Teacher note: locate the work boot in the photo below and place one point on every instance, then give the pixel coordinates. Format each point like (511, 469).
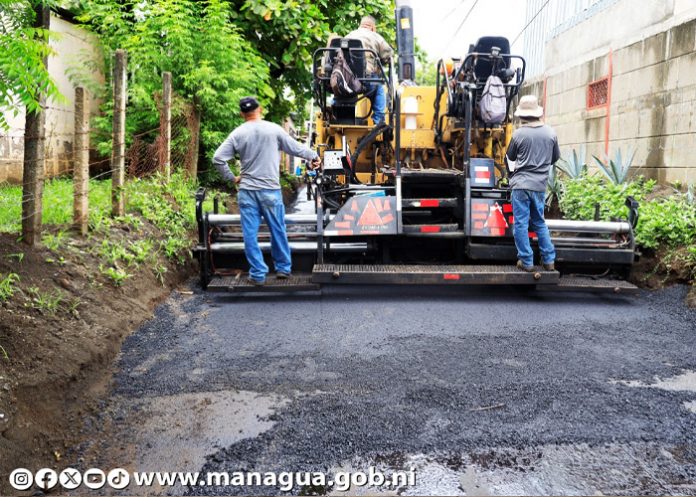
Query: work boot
(549, 267)
(522, 267)
(254, 282)
(280, 275)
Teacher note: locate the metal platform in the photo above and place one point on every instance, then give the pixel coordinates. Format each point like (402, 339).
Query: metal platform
(239, 284)
(593, 285)
(430, 275)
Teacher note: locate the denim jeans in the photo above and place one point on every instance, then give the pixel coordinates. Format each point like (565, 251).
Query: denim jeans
(528, 209)
(378, 97)
(253, 205)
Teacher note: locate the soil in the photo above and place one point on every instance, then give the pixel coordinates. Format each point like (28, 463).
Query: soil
(58, 363)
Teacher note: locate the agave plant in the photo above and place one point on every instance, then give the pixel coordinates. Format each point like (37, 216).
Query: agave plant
(574, 165)
(616, 170)
(555, 187)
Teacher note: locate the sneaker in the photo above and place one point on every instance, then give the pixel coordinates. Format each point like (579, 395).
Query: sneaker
(522, 267)
(280, 275)
(254, 282)
(549, 267)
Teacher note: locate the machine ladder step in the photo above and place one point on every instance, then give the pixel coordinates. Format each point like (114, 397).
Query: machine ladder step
(239, 284)
(395, 274)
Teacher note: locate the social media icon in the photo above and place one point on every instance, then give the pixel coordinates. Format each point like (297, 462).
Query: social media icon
(70, 478)
(46, 478)
(21, 479)
(118, 478)
(94, 478)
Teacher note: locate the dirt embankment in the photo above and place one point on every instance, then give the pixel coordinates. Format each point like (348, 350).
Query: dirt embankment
(60, 333)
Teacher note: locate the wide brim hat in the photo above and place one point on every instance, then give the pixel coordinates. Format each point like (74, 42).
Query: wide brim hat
(529, 107)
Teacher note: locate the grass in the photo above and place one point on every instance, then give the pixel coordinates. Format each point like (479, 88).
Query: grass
(167, 205)
(45, 301)
(8, 286)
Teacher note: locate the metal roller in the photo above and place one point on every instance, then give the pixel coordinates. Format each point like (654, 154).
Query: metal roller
(620, 227)
(234, 219)
(297, 247)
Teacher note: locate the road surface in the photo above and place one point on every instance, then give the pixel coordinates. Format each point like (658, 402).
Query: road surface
(482, 391)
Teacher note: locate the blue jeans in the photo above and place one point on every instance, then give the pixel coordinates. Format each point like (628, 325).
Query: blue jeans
(378, 97)
(254, 204)
(528, 209)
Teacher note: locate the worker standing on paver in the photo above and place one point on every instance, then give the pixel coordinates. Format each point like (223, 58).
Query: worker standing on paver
(532, 152)
(371, 39)
(258, 144)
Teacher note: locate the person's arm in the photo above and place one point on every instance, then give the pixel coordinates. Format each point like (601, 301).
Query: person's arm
(291, 146)
(223, 154)
(385, 51)
(511, 156)
(556, 154)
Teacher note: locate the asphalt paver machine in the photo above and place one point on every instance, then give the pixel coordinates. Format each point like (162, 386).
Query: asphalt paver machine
(421, 199)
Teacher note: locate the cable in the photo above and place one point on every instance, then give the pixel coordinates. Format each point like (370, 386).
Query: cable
(529, 23)
(461, 25)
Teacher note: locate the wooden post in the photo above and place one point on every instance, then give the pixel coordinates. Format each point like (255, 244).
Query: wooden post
(166, 125)
(81, 162)
(118, 149)
(194, 125)
(34, 151)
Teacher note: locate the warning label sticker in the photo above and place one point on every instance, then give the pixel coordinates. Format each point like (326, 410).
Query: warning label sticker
(365, 216)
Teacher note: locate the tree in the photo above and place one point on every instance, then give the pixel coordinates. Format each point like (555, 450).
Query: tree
(23, 76)
(212, 65)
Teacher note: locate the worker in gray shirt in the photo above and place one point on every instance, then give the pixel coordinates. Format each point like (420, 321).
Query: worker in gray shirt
(532, 152)
(258, 144)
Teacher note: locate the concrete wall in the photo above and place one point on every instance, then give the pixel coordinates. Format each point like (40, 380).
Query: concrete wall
(76, 58)
(652, 55)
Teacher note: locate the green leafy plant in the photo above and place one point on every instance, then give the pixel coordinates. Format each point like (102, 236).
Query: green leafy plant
(22, 50)
(554, 188)
(54, 243)
(160, 272)
(574, 164)
(616, 170)
(19, 257)
(45, 301)
(8, 286)
(117, 275)
(670, 221)
(4, 353)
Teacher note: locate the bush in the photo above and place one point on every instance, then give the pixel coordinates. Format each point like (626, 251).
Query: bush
(670, 220)
(581, 194)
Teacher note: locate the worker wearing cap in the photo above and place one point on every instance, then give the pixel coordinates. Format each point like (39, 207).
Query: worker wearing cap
(258, 144)
(532, 152)
(371, 39)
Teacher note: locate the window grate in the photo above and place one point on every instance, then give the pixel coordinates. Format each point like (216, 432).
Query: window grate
(598, 93)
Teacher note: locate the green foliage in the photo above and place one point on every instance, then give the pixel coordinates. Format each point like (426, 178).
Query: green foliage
(22, 49)
(160, 272)
(670, 220)
(8, 286)
(575, 164)
(19, 257)
(48, 302)
(667, 221)
(616, 170)
(580, 196)
(554, 188)
(54, 243)
(212, 65)
(117, 275)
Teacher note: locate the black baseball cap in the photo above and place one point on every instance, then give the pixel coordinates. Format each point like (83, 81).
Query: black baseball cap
(247, 104)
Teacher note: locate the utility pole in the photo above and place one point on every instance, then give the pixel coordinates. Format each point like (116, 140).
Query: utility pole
(166, 125)
(34, 150)
(81, 162)
(118, 146)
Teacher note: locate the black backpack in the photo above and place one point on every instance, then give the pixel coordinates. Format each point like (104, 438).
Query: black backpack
(344, 83)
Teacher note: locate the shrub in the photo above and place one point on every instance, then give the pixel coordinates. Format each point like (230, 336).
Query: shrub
(670, 220)
(581, 194)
